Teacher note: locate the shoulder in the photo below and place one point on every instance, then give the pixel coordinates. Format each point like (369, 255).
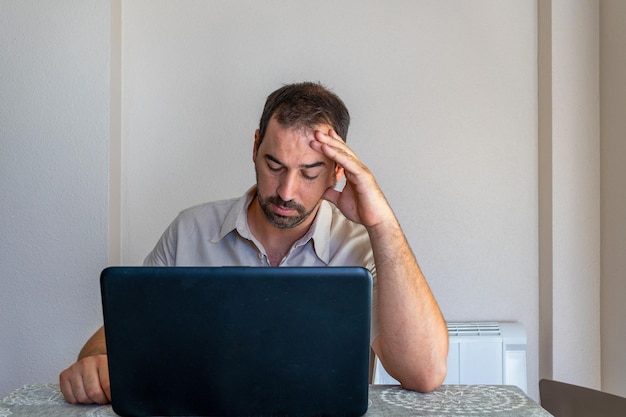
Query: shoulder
(212, 209)
(207, 217)
(218, 210)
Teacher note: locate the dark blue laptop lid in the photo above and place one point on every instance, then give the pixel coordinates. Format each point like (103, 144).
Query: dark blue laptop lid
(238, 341)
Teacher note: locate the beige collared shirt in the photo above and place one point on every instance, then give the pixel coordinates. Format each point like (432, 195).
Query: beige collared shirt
(217, 234)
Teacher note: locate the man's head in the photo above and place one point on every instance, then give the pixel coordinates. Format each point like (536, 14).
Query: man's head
(305, 106)
(292, 177)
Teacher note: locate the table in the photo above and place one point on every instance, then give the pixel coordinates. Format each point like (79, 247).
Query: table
(384, 400)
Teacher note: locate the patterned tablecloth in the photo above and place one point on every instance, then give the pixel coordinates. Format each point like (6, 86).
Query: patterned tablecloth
(384, 400)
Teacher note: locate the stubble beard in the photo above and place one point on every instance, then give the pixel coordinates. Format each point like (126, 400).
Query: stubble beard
(284, 222)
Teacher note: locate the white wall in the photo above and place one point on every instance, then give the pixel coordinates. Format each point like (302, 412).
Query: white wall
(613, 154)
(444, 103)
(54, 103)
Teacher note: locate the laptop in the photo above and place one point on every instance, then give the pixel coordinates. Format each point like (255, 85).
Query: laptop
(238, 341)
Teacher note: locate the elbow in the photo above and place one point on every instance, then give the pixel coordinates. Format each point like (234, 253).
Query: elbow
(416, 370)
(425, 379)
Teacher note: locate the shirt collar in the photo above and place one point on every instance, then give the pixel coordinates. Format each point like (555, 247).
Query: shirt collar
(237, 216)
(319, 232)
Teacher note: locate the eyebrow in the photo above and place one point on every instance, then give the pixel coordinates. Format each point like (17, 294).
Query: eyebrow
(301, 166)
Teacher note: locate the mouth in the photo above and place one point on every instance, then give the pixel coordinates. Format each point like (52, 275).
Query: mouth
(283, 211)
(283, 214)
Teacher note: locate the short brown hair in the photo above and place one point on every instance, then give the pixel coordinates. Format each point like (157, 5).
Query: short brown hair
(305, 105)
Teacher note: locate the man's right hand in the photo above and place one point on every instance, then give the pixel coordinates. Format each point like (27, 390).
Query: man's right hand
(87, 381)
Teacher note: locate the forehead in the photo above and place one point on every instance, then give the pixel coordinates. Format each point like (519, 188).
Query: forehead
(291, 145)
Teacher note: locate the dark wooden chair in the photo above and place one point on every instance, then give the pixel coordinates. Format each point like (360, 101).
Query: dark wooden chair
(567, 400)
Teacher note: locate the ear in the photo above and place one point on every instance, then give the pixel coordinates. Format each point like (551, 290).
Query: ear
(339, 173)
(255, 148)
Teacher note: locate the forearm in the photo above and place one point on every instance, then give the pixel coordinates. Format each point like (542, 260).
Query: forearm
(96, 345)
(413, 339)
(413, 342)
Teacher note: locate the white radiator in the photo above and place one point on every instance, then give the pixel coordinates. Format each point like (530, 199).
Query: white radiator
(488, 353)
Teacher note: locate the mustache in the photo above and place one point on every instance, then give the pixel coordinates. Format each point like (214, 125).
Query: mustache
(291, 204)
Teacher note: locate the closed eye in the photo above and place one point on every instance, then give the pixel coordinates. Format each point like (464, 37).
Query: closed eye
(274, 168)
(273, 164)
(309, 177)
(309, 172)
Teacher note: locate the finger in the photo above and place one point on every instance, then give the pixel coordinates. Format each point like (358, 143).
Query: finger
(341, 154)
(333, 140)
(78, 390)
(66, 388)
(93, 388)
(338, 141)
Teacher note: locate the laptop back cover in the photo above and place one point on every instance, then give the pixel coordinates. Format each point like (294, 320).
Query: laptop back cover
(237, 341)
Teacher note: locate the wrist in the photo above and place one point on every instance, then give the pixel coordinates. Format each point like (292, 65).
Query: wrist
(387, 227)
(86, 353)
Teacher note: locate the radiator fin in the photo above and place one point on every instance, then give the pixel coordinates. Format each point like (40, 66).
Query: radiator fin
(474, 329)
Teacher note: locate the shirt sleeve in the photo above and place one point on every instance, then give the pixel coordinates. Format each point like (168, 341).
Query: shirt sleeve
(164, 253)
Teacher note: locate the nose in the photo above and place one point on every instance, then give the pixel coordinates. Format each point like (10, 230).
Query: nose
(287, 189)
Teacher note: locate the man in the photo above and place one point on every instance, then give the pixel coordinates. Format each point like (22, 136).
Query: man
(296, 216)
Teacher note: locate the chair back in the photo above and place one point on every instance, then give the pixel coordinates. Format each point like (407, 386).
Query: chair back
(567, 400)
